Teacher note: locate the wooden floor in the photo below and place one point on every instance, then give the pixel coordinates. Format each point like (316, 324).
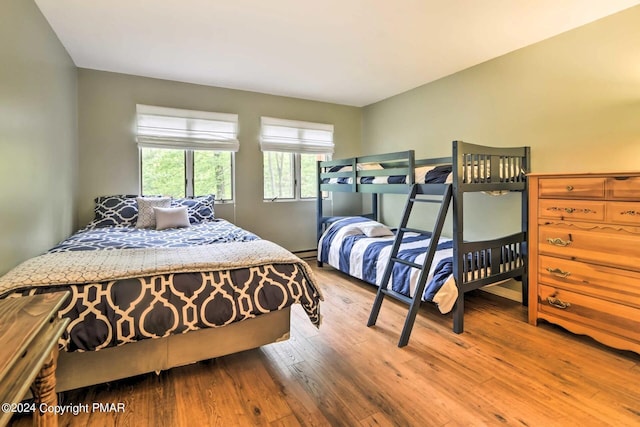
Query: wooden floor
(501, 371)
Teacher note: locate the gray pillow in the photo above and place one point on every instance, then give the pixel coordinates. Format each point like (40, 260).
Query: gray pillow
(146, 215)
(171, 217)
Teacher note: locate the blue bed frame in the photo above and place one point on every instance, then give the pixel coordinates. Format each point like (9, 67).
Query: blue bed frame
(475, 263)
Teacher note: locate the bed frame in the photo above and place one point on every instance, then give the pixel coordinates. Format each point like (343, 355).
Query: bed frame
(475, 168)
(82, 369)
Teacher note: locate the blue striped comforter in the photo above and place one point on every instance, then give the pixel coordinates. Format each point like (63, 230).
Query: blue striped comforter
(346, 247)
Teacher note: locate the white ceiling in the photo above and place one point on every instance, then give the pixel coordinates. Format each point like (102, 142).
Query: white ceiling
(352, 52)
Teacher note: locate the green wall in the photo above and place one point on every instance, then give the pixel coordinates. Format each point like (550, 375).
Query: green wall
(574, 98)
(109, 154)
(38, 136)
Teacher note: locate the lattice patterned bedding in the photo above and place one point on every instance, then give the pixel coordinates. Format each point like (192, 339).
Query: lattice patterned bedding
(345, 246)
(126, 285)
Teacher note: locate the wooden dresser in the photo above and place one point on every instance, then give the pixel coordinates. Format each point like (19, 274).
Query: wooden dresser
(584, 255)
(29, 331)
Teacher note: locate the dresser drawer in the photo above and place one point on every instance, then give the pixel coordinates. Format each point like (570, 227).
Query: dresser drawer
(596, 313)
(611, 284)
(596, 245)
(627, 213)
(572, 209)
(591, 188)
(623, 188)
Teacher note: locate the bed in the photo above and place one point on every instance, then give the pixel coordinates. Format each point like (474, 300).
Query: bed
(145, 299)
(362, 247)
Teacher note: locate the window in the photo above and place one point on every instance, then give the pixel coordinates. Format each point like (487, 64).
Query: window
(290, 151)
(186, 152)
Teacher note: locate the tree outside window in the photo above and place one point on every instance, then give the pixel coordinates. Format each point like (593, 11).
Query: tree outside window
(165, 172)
(290, 175)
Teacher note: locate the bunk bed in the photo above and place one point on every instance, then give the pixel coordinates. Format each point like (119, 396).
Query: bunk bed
(446, 269)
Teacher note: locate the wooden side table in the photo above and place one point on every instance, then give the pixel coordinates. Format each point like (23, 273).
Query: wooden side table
(29, 332)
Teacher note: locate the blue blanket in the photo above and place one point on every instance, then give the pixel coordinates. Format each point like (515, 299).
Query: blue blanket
(204, 233)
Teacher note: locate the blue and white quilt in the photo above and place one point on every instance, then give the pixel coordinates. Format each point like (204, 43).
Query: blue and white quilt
(204, 233)
(347, 246)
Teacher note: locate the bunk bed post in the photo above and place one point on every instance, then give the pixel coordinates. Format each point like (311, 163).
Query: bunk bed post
(526, 166)
(458, 234)
(319, 212)
(374, 206)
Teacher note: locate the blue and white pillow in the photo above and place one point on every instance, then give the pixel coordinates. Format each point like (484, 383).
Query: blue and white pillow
(115, 211)
(199, 208)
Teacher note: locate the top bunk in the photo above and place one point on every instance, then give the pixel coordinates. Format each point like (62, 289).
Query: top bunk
(470, 168)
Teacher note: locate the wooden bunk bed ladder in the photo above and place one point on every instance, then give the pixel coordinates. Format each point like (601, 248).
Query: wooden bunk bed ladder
(414, 302)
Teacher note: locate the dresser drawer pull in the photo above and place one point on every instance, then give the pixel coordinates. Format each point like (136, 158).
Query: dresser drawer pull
(558, 273)
(569, 187)
(556, 241)
(570, 210)
(632, 213)
(558, 303)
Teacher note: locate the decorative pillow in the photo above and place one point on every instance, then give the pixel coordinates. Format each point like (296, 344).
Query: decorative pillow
(373, 229)
(439, 174)
(146, 215)
(199, 209)
(171, 217)
(370, 167)
(118, 210)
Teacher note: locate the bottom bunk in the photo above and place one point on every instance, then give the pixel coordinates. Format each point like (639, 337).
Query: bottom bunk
(362, 248)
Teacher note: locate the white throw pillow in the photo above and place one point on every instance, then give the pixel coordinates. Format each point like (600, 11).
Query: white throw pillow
(171, 217)
(375, 230)
(146, 215)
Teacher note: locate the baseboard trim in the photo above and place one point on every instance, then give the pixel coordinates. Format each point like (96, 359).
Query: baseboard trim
(307, 254)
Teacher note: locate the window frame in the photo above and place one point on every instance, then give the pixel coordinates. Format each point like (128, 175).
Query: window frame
(296, 163)
(296, 147)
(189, 170)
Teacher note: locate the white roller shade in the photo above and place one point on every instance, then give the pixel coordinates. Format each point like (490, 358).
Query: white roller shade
(161, 127)
(294, 136)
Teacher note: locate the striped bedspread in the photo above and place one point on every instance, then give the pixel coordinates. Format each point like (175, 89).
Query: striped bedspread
(361, 248)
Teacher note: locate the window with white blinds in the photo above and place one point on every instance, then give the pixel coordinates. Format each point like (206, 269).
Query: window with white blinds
(290, 151)
(292, 136)
(162, 127)
(186, 152)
